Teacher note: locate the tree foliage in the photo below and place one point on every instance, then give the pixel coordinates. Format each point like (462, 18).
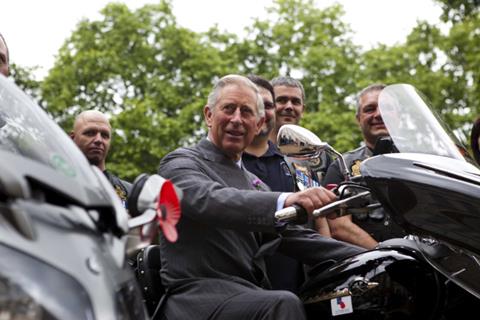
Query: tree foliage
(315, 46)
(461, 103)
(152, 76)
(25, 80)
(458, 10)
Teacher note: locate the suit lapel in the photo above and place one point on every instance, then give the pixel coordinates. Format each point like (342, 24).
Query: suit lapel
(228, 173)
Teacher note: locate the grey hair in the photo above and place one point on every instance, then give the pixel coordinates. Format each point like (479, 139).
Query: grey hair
(364, 91)
(238, 80)
(289, 82)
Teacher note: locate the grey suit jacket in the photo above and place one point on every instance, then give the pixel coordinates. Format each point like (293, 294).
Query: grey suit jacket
(223, 219)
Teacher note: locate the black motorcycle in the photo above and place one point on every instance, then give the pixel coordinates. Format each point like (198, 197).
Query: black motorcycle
(64, 234)
(422, 176)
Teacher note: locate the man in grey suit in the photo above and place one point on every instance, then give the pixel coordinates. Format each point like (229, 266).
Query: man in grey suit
(216, 268)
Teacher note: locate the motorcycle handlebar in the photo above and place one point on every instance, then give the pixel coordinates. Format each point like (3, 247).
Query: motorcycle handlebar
(293, 214)
(339, 207)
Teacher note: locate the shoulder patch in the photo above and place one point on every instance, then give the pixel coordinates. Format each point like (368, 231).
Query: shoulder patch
(120, 192)
(355, 168)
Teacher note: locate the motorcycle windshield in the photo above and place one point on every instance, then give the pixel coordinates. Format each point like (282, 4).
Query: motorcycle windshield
(414, 128)
(412, 125)
(26, 131)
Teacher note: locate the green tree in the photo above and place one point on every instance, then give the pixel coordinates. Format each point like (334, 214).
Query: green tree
(26, 81)
(418, 61)
(462, 65)
(458, 10)
(313, 45)
(150, 75)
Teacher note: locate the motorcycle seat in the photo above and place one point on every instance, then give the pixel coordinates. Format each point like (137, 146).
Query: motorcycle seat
(148, 276)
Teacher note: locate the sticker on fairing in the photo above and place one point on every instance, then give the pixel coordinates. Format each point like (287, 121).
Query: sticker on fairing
(341, 305)
(62, 165)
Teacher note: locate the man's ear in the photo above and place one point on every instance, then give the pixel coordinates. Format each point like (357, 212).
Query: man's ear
(207, 113)
(72, 135)
(260, 124)
(303, 111)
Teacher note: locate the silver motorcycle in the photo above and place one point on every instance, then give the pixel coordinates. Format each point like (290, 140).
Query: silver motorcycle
(64, 234)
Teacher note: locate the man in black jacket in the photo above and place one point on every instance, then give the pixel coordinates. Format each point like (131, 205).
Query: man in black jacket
(92, 133)
(368, 229)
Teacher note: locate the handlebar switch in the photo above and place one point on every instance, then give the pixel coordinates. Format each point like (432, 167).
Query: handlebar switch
(331, 186)
(302, 215)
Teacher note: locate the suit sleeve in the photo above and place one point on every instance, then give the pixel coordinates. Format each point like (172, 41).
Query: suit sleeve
(314, 247)
(207, 201)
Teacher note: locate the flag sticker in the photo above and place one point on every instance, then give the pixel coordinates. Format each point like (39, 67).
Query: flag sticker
(341, 305)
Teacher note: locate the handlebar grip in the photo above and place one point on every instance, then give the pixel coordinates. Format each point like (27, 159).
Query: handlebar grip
(293, 214)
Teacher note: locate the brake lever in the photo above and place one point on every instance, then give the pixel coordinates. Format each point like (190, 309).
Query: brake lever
(342, 205)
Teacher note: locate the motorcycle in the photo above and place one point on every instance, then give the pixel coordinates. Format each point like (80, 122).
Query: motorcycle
(423, 177)
(64, 234)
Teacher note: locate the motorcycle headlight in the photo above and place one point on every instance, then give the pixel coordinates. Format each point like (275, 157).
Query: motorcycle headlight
(31, 289)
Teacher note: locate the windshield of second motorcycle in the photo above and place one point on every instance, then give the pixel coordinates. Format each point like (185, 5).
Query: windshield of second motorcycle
(413, 126)
(27, 131)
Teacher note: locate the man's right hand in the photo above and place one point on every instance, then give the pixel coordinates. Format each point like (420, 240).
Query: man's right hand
(311, 199)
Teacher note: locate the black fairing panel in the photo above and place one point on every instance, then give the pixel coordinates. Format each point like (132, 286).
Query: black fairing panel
(427, 197)
(407, 287)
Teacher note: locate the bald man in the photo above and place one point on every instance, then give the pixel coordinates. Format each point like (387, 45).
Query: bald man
(4, 57)
(92, 134)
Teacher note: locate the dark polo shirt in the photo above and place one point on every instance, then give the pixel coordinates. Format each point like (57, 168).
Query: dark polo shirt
(271, 168)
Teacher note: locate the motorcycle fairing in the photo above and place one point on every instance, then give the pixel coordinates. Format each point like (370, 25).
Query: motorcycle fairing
(436, 199)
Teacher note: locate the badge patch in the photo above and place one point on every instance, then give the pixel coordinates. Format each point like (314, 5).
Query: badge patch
(285, 169)
(121, 194)
(341, 305)
(355, 168)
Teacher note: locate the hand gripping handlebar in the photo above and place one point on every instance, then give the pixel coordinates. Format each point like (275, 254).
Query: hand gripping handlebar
(340, 207)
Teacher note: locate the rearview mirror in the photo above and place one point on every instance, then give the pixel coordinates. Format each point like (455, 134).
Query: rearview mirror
(299, 142)
(296, 141)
